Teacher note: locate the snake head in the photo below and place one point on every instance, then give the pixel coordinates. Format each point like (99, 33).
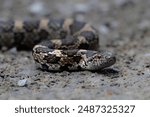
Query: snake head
(96, 60)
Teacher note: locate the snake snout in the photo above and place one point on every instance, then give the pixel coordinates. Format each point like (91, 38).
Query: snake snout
(99, 61)
(107, 59)
(110, 59)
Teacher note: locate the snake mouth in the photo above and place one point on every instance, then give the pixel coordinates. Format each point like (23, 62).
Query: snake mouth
(99, 61)
(99, 65)
(107, 59)
(104, 64)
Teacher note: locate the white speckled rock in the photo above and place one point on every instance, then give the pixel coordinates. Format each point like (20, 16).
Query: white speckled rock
(22, 83)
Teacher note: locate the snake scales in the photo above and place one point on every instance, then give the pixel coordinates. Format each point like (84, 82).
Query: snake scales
(57, 44)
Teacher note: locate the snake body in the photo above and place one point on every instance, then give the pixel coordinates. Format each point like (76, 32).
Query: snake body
(57, 44)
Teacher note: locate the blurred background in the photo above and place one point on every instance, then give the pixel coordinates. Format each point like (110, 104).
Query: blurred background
(112, 18)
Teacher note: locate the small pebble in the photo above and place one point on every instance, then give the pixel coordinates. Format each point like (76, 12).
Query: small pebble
(13, 50)
(79, 17)
(147, 54)
(22, 83)
(38, 8)
(81, 8)
(144, 24)
(103, 29)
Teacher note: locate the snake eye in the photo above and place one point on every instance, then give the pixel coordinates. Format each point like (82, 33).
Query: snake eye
(107, 57)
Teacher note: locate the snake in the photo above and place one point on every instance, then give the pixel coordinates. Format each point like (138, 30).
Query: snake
(57, 44)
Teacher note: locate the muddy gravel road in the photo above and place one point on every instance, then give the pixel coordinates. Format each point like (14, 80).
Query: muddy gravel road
(124, 29)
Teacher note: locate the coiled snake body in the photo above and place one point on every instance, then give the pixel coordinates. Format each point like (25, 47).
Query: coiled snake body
(57, 44)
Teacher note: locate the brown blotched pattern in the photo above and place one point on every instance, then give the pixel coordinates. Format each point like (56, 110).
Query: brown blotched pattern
(58, 44)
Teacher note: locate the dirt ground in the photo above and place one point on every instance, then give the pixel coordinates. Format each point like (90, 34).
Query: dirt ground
(124, 28)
